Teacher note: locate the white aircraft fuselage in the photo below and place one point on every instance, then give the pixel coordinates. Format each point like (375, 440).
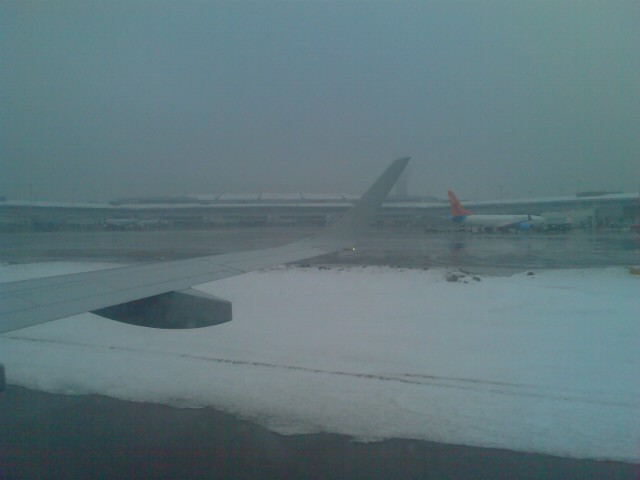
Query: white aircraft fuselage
(499, 222)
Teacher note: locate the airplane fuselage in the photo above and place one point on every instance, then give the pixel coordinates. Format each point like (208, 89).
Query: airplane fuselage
(501, 221)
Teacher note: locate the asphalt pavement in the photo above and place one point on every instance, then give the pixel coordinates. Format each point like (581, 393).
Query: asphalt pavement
(405, 247)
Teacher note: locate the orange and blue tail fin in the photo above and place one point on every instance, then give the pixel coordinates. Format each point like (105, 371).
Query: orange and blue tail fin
(457, 210)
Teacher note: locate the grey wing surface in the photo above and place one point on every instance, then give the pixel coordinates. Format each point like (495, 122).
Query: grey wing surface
(158, 295)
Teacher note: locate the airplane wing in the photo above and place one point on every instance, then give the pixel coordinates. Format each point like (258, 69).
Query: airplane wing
(158, 295)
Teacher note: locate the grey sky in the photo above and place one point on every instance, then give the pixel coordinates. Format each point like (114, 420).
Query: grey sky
(109, 99)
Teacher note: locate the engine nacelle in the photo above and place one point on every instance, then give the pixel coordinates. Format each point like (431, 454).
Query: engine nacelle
(174, 310)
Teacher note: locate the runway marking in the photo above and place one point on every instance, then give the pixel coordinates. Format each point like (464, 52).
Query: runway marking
(458, 383)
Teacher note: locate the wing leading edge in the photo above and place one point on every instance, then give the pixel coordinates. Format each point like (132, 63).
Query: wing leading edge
(31, 302)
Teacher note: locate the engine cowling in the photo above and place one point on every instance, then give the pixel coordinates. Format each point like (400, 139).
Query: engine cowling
(173, 310)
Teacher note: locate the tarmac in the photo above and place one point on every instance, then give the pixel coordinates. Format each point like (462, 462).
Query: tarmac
(404, 247)
(47, 436)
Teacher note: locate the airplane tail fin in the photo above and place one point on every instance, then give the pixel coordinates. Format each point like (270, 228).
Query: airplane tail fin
(457, 210)
(354, 223)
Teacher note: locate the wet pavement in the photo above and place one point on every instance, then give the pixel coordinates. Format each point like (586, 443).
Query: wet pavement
(403, 247)
(47, 436)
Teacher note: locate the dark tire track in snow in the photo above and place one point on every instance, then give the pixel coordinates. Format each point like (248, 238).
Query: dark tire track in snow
(471, 384)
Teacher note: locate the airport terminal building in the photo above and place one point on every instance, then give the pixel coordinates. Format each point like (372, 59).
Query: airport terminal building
(586, 210)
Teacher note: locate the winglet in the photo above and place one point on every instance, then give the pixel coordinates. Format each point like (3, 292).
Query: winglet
(355, 222)
(457, 210)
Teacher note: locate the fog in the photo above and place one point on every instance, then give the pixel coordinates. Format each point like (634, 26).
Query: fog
(513, 99)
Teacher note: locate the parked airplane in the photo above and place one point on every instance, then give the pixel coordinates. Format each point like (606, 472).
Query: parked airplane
(159, 295)
(499, 222)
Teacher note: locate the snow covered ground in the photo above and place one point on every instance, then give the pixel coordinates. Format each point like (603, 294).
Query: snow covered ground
(545, 363)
